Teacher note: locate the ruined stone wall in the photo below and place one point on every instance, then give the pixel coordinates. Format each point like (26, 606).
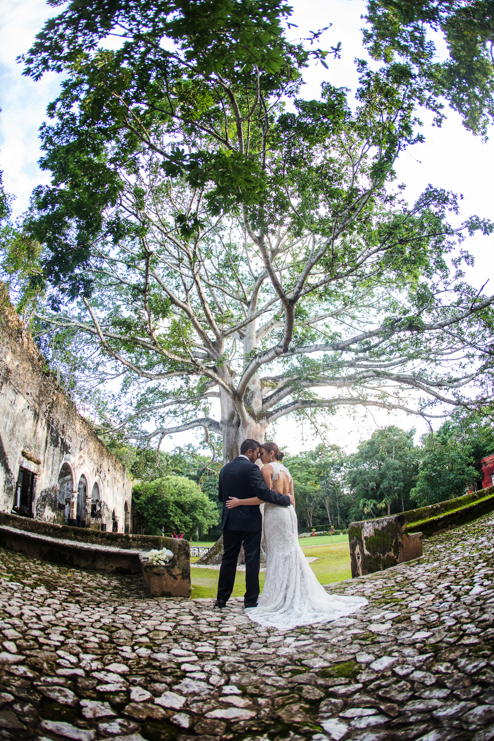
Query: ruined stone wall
(41, 432)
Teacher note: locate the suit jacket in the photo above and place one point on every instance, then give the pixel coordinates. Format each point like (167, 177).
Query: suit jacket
(242, 479)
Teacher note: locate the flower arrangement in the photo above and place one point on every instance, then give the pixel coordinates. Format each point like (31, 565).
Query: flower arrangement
(160, 558)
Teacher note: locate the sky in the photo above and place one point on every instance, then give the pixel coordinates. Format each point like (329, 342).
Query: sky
(450, 158)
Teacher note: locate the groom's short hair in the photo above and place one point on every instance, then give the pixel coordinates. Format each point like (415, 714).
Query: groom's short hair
(249, 445)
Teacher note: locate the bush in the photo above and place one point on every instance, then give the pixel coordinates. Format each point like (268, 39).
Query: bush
(173, 504)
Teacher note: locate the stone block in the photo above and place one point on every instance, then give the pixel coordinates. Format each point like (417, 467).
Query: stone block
(173, 579)
(378, 544)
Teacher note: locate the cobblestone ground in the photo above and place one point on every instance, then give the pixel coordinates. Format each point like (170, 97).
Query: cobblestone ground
(87, 656)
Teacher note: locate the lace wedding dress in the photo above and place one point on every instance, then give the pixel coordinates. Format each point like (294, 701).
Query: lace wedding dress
(292, 595)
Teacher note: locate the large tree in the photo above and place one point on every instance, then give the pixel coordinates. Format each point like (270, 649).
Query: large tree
(382, 473)
(213, 236)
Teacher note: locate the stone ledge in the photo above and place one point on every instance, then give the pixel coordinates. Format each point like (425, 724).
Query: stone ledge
(461, 511)
(85, 535)
(164, 581)
(172, 580)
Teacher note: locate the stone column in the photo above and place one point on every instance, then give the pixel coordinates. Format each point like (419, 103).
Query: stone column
(73, 509)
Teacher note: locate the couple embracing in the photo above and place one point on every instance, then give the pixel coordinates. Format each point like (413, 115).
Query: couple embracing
(292, 595)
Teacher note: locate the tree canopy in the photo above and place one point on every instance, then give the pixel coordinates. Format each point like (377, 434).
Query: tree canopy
(382, 473)
(465, 78)
(173, 503)
(450, 459)
(213, 238)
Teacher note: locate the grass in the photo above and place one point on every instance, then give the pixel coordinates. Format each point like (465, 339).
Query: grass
(333, 562)
(333, 565)
(202, 543)
(322, 540)
(316, 540)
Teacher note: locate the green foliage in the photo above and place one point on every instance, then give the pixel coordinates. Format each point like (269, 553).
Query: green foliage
(20, 262)
(466, 77)
(317, 482)
(173, 503)
(145, 465)
(210, 234)
(450, 459)
(382, 473)
(4, 202)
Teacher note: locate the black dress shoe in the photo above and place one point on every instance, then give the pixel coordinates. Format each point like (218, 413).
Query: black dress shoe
(219, 605)
(249, 607)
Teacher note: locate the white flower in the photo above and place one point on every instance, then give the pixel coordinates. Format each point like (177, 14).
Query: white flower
(160, 558)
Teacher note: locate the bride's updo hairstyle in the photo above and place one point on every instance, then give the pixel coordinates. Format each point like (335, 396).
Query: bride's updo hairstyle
(272, 447)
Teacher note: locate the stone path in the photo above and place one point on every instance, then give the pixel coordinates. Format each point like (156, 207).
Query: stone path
(86, 656)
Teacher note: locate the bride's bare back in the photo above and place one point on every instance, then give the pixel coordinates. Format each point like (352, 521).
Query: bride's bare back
(283, 484)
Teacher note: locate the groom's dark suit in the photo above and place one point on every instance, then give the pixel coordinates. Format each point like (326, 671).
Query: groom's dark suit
(243, 479)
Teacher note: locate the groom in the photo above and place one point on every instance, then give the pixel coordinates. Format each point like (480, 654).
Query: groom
(242, 525)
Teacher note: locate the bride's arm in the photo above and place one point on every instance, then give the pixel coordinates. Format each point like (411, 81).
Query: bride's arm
(232, 502)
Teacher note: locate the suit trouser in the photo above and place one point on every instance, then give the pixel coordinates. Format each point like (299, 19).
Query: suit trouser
(232, 542)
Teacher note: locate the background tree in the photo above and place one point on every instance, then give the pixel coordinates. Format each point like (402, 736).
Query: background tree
(211, 236)
(317, 480)
(146, 465)
(20, 262)
(450, 459)
(173, 503)
(307, 472)
(382, 473)
(333, 487)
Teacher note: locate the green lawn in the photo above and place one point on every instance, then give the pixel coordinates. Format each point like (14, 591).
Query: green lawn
(304, 542)
(322, 540)
(202, 543)
(333, 565)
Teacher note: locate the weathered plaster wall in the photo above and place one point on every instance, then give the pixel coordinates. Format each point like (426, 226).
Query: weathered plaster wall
(40, 431)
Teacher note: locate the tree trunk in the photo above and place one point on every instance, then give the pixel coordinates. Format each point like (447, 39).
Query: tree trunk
(235, 431)
(239, 423)
(243, 419)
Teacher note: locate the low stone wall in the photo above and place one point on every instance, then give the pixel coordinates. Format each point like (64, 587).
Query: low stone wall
(378, 544)
(70, 553)
(165, 581)
(87, 535)
(108, 552)
(449, 514)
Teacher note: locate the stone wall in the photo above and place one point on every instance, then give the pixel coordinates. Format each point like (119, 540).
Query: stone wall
(52, 465)
(114, 553)
(378, 544)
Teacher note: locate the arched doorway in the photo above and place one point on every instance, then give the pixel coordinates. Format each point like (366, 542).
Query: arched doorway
(65, 489)
(95, 502)
(81, 502)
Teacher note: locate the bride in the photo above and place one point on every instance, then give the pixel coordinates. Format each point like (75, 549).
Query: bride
(292, 595)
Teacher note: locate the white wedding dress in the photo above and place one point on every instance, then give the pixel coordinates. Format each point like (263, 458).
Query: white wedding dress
(292, 596)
